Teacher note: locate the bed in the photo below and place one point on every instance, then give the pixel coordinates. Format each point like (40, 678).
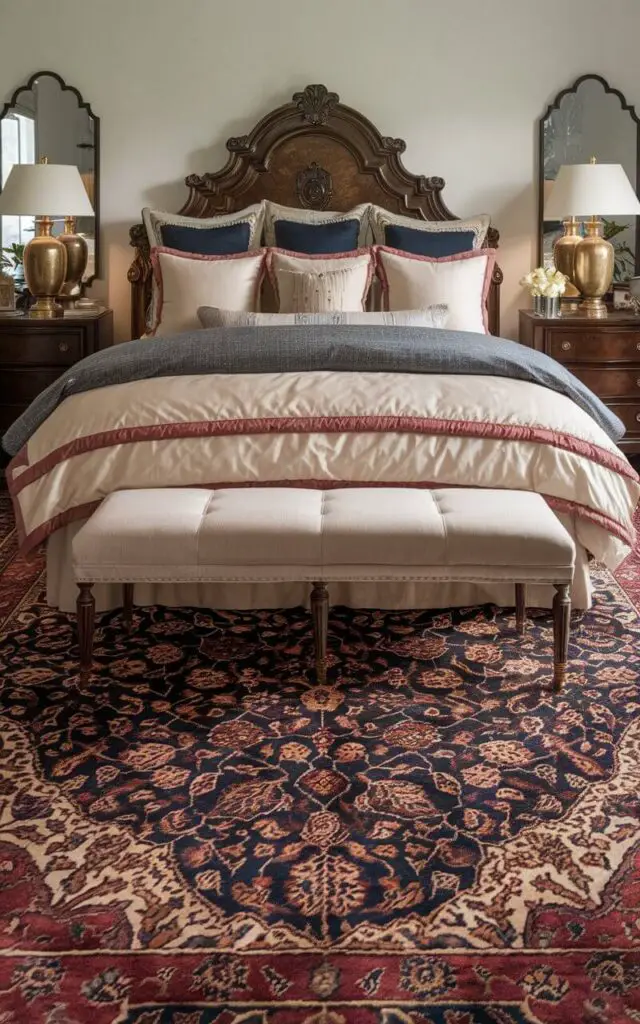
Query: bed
(323, 424)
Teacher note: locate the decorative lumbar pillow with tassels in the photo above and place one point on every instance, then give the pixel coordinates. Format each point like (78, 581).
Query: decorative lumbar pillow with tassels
(318, 284)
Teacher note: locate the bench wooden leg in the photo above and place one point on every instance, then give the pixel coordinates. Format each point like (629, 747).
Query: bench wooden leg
(561, 627)
(521, 606)
(127, 606)
(320, 618)
(86, 609)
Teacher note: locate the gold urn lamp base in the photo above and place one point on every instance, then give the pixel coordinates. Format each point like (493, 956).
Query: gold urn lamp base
(77, 256)
(45, 308)
(45, 267)
(596, 308)
(593, 272)
(564, 252)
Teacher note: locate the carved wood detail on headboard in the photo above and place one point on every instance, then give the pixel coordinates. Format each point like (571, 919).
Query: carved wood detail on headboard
(317, 153)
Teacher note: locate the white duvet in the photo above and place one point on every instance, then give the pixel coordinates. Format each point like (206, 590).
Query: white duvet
(319, 428)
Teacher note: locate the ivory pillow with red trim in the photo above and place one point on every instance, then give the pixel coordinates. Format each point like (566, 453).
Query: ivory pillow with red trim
(461, 282)
(185, 281)
(339, 282)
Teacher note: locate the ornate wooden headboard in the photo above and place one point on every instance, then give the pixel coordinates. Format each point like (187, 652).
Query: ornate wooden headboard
(317, 153)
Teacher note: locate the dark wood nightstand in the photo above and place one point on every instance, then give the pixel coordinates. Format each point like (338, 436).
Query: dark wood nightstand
(34, 353)
(604, 354)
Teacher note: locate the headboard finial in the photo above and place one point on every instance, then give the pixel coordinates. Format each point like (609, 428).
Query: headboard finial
(315, 103)
(238, 144)
(393, 145)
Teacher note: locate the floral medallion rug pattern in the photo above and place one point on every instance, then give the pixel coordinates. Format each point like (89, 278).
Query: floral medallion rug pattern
(204, 835)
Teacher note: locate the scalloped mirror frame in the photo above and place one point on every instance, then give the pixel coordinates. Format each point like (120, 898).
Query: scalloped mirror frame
(555, 105)
(83, 105)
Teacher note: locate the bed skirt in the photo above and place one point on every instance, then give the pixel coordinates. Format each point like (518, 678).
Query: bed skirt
(62, 591)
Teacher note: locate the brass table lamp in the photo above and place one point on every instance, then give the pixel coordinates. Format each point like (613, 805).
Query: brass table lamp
(29, 189)
(564, 247)
(564, 253)
(578, 191)
(77, 253)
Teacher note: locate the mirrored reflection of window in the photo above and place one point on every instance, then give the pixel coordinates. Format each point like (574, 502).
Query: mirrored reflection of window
(17, 146)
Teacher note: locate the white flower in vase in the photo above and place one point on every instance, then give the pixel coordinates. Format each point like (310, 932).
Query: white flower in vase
(546, 282)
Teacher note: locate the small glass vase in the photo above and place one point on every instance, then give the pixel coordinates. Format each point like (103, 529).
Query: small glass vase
(537, 304)
(550, 306)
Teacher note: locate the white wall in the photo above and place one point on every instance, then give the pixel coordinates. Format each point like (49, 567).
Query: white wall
(462, 81)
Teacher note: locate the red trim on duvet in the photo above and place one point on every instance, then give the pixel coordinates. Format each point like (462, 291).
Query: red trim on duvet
(574, 508)
(42, 532)
(313, 425)
(21, 459)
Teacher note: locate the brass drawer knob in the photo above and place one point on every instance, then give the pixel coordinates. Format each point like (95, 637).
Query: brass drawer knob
(63, 346)
(638, 346)
(566, 345)
(638, 417)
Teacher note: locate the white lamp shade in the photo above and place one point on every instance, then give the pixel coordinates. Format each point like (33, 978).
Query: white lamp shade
(587, 190)
(55, 190)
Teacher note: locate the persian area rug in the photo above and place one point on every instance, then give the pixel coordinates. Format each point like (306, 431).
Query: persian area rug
(204, 836)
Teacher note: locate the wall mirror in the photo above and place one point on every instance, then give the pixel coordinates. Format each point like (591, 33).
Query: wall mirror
(48, 118)
(591, 119)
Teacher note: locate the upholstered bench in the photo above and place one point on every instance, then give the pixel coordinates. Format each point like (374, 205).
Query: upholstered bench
(274, 534)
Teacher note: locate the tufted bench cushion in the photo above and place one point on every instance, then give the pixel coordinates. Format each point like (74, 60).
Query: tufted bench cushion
(288, 533)
(278, 533)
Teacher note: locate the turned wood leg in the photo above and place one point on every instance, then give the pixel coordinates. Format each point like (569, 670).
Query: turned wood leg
(561, 627)
(86, 609)
(320, 618)
(521, 606)
(127, 606)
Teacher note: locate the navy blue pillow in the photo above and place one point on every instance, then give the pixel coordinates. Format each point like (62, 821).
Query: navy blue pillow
(428, 243)
(222, 241)
(315, 239)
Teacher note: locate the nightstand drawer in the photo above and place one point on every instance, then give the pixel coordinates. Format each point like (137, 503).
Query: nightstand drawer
(604, 354)
(609, 383)
(593, 346)
(21, 386)
(64, 348)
